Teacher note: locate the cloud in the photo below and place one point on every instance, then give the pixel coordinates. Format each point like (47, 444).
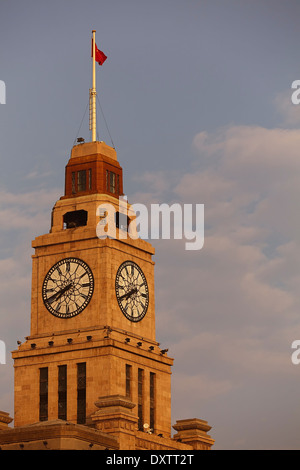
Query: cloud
(230, 312)
(22, 217)
(248, 180)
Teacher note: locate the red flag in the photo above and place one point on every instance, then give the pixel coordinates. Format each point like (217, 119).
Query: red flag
(100, 57)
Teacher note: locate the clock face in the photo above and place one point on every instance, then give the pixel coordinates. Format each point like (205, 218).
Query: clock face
(68, 287)
(132, 291)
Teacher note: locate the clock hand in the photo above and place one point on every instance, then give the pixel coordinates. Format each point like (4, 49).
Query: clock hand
(129, 294)
(64, 290)
(57, 295)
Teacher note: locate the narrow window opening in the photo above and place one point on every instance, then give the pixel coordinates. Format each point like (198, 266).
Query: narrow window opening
(43, 412)
(140, 399)
(152, 400)
(81, 180)
(62, 392)
(81, 393)
(128, 380)
(90, 179)
(107, 179)
(112, 182)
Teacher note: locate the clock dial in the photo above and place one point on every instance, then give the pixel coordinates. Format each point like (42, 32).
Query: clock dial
(68, 287)
(132, 291)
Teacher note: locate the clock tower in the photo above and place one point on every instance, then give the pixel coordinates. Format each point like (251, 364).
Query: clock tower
(93, 310)
(91, 373)
(92, 357)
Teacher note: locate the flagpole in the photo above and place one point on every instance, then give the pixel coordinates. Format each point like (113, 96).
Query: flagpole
(93, 92)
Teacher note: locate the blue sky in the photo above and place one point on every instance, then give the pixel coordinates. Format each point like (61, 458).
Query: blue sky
(196, 95)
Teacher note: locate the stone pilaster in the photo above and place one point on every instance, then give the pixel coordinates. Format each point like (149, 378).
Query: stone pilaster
(115, 416)
(193, 432)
